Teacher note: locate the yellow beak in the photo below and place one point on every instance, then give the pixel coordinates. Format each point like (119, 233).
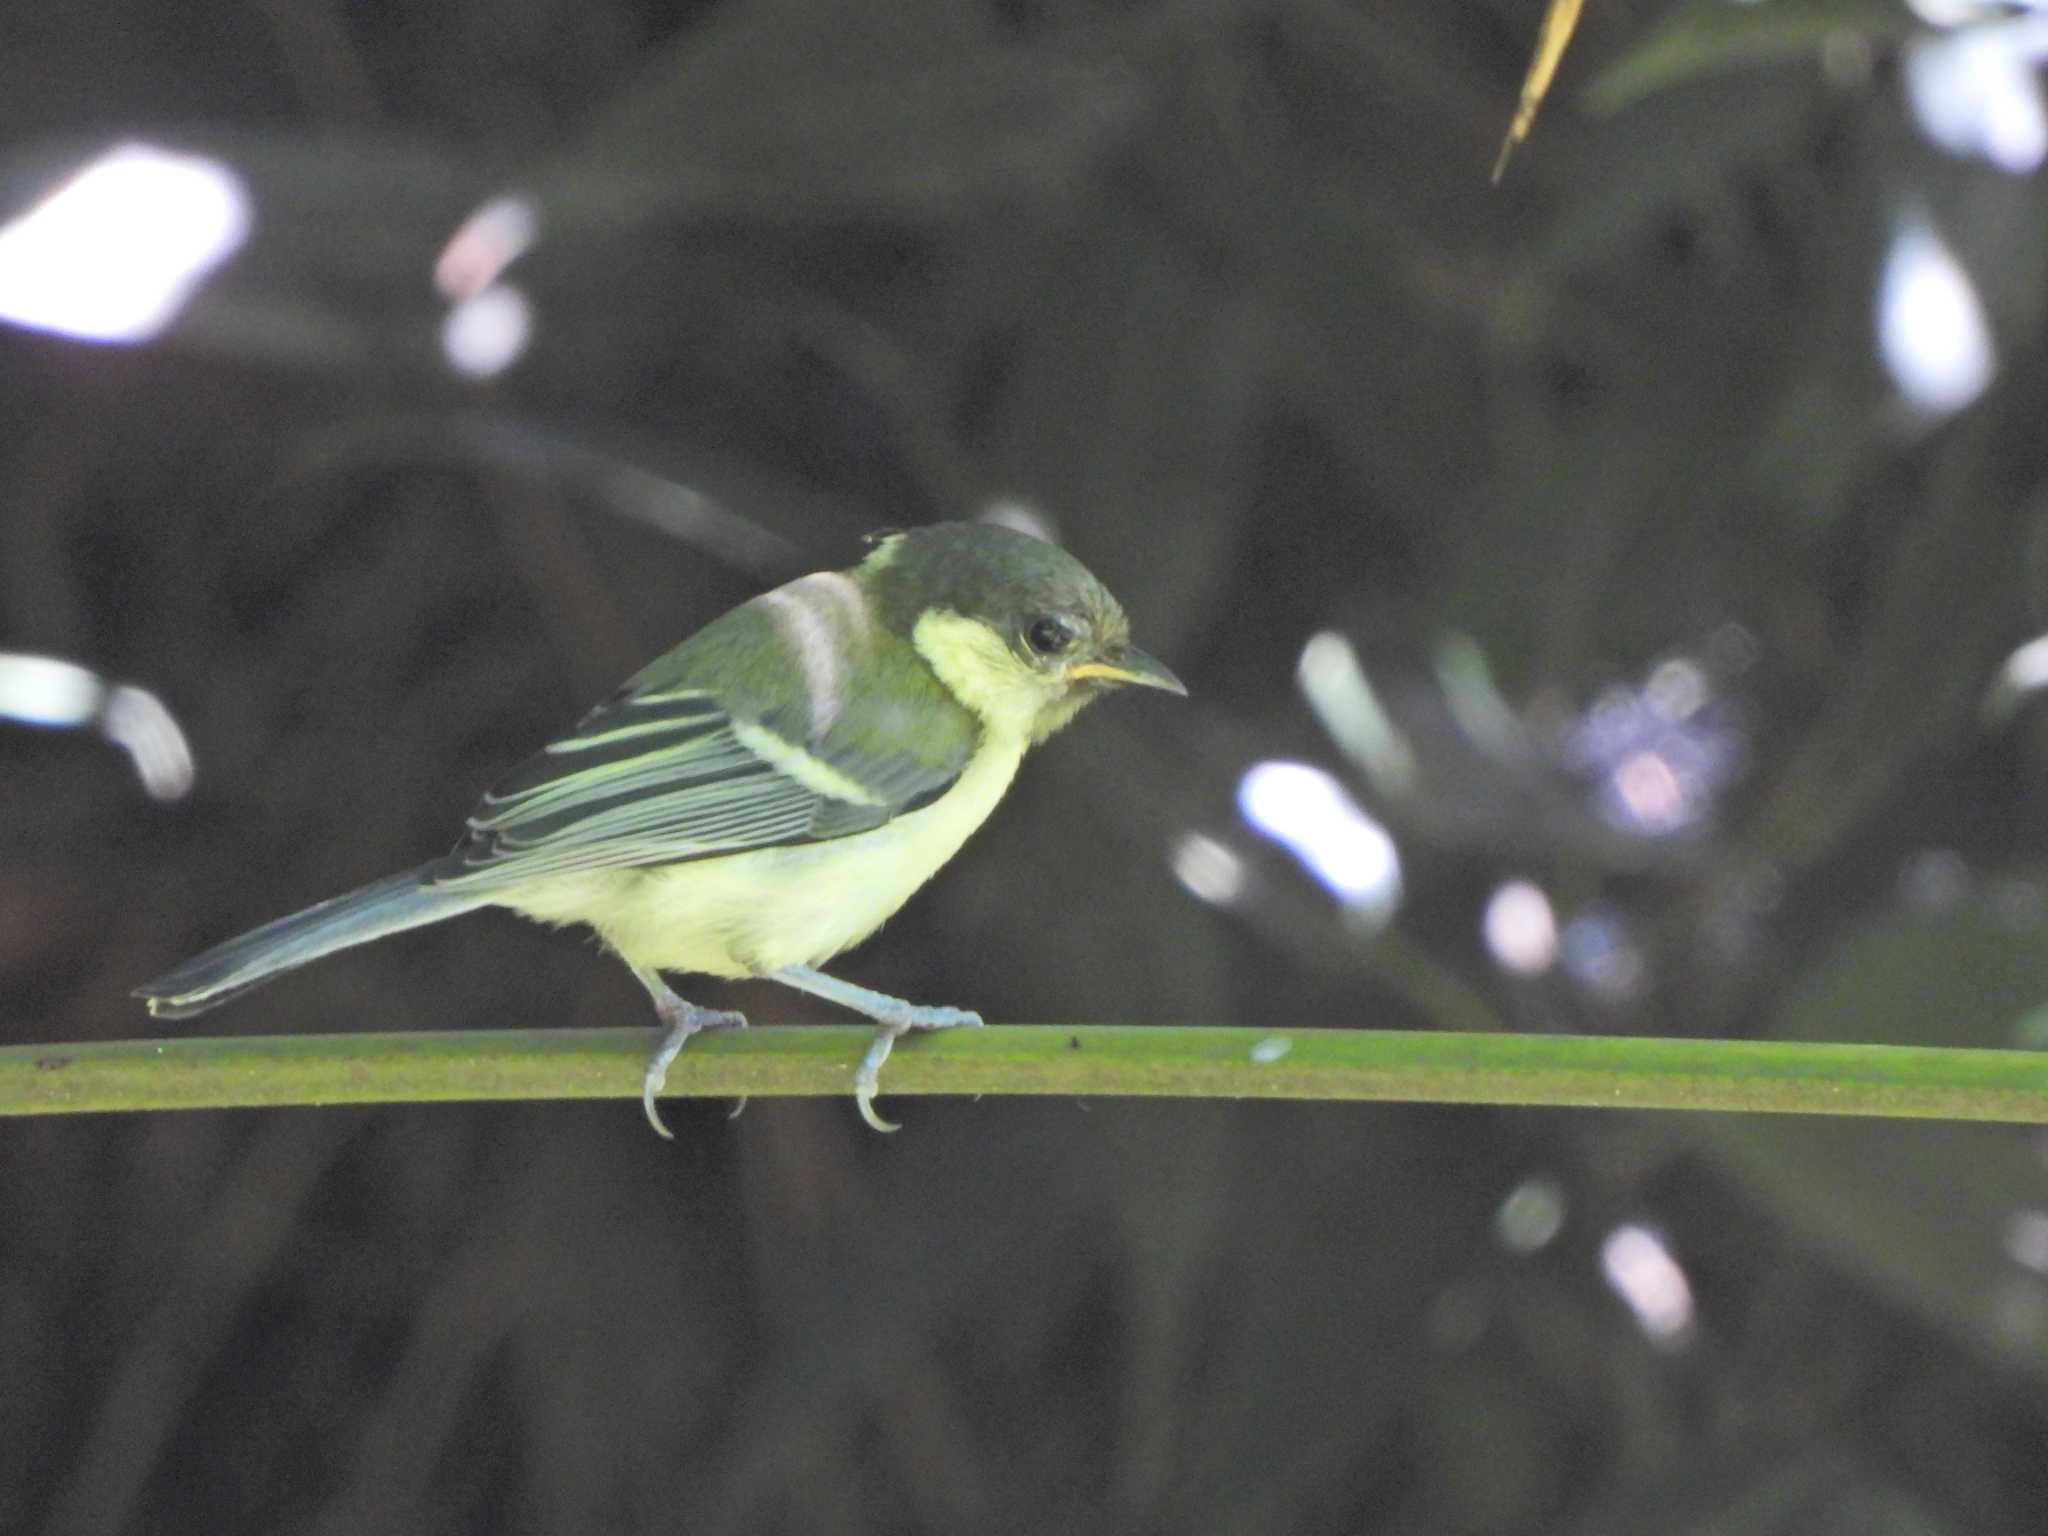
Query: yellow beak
(1128, 664)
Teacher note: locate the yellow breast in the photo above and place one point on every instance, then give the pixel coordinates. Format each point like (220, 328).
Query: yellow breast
(747, 914)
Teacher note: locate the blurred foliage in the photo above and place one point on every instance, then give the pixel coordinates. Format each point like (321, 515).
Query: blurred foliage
(1219, 288)
(1692, 40)
(1893, 1209)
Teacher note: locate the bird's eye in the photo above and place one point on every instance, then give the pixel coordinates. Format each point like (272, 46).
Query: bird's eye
(1050, 635)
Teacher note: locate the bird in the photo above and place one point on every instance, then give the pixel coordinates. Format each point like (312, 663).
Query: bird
(768, 793)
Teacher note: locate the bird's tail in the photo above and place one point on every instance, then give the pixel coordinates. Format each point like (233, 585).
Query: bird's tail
(228, 970)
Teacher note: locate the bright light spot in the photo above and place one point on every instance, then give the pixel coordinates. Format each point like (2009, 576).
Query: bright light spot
(2026, 1240)
(116, 251)
(1945, 13)
(1662, 755)
(484, 335)
(1020, 517)
(1930, 327)
(1307, 812)
(2025, 671)
(489, 241)
(1334, 682)
(136, 721)
(1599, 953)
(1271, 1049)
(1974, 92)
(1677, 689)
(2027, 667)
(1644, 1274)
(40, 690)
(1531, 1216)
(1652, 796)
(1521, 929)
(1208, 869)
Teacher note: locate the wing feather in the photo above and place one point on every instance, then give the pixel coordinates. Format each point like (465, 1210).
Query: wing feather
(662, 778)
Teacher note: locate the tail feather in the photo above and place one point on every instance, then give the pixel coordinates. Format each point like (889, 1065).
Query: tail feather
(228, 970)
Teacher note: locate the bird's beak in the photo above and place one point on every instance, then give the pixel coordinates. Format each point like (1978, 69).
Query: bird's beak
(1128, 664)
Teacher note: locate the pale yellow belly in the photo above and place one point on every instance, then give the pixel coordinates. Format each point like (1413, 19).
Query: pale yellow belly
(750, 913)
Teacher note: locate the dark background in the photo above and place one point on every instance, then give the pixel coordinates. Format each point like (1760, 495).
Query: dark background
(1218, 289)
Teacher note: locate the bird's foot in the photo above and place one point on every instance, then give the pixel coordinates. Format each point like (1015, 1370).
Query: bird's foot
(683, 1020)
(890, 1024)
(892, 1016)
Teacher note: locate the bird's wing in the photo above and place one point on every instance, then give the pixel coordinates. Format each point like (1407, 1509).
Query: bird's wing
(665, 772)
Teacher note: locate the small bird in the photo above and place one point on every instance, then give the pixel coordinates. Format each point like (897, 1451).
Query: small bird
(768, 793)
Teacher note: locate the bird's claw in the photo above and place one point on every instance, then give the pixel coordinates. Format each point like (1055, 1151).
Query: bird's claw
(682, 1023)
(867, 1077)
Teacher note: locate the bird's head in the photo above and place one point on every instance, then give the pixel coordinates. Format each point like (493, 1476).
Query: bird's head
(1018, 629)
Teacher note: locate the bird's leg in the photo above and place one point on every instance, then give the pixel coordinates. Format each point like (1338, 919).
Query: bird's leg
(892, 1016)
(683, 1020)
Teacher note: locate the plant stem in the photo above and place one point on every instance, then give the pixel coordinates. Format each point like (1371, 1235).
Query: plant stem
(1076, 1061)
